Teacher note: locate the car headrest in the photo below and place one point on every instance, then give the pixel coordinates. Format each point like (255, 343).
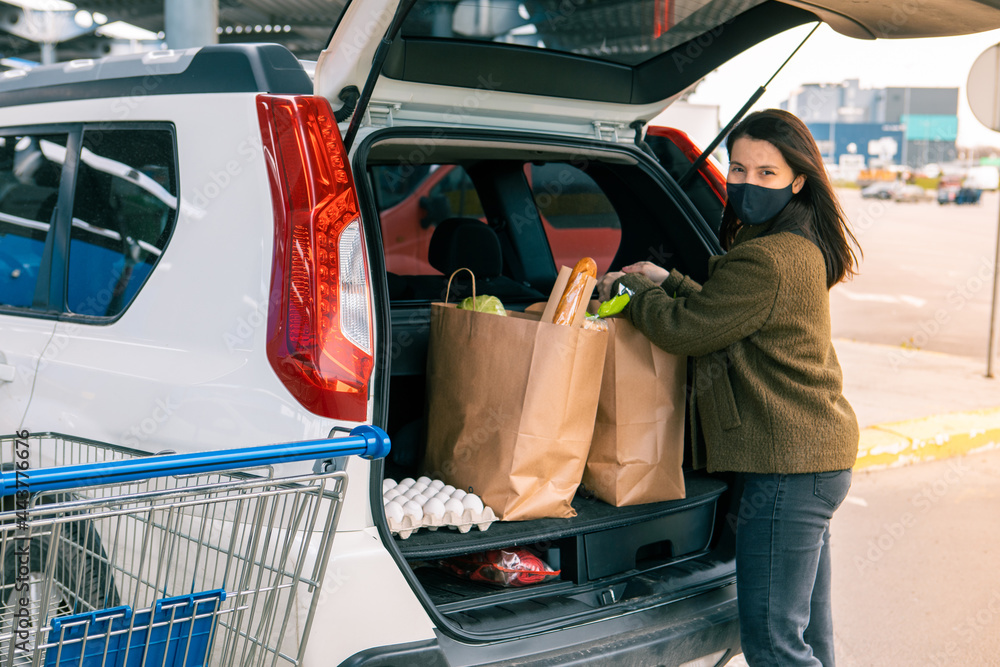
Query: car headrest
(465, 242)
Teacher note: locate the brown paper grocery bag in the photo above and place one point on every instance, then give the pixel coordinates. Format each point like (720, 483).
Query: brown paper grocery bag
(511, 407)
(638, 444)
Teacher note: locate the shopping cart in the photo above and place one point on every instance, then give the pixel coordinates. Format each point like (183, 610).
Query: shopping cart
(115, 558)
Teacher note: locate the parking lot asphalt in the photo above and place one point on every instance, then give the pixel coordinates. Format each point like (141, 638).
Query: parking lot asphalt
(915, 405)
(911, 329)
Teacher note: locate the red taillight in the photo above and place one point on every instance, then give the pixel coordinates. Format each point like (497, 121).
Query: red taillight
(319, 321)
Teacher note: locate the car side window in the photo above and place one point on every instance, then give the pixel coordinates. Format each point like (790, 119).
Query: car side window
(579, 219)
(412, 201)
(30, 171)
(454, 196)
(124, 209)
(394, 184)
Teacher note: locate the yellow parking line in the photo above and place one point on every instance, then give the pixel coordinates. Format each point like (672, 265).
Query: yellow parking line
(928, 439)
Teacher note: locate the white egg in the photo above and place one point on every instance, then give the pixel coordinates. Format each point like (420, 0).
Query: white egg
(443, 497)
(436, 484)
(424, 480)
(419, 499)
(458, 494)
(406, 481)
(454, 505)
(394, 511)
(448, 488)
(434, 507)
(413, 509)
(473, 503)
(410, 493)
(419, 486)
(387, 484)
(390, 494)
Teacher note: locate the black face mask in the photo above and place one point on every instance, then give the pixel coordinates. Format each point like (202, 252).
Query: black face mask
(754, 204)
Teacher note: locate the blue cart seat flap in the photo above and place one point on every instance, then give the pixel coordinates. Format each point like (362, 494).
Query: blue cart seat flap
(85, 639)
(177, 632)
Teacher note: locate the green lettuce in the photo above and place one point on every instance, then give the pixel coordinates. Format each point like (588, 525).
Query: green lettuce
(483, 304)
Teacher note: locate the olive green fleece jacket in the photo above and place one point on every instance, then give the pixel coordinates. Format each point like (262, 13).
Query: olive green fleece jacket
(767, 383)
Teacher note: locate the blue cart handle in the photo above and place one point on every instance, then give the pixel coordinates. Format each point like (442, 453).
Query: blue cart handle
(369, 442)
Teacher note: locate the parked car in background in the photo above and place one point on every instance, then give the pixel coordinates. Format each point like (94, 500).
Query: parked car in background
(983, 177)
(957, 192)
(880, 190)
(895, 190)
(909, 192)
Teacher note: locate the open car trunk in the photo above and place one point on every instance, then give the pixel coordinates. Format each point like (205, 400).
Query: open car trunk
(549, 203)
(592, 73)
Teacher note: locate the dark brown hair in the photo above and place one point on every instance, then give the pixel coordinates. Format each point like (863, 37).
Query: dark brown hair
(814, 211)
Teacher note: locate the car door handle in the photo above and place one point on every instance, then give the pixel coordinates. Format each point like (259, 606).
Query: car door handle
(7, 373)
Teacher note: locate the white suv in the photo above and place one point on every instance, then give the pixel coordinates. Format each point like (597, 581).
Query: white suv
(191, 259)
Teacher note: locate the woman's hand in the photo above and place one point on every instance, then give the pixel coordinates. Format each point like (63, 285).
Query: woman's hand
(655, 273)
(605, 283)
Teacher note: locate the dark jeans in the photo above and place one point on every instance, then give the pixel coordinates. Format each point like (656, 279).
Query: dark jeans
(783, 567)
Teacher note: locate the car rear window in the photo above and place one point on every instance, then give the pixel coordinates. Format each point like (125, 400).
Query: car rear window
(626, 32)
(30, 171)
(577, 217)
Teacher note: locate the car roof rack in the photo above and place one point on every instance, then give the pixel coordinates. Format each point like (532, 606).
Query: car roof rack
(220, 68)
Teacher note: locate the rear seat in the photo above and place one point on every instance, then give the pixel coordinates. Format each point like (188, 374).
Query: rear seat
(456, 243)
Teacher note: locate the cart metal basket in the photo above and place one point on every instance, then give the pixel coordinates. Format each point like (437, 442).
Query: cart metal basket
(115, 558)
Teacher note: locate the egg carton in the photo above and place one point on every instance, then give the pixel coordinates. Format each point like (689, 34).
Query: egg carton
(462, 522)
(439, 505)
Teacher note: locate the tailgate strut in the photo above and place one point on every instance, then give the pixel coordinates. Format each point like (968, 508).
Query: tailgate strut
(377, 61)
(696, 165)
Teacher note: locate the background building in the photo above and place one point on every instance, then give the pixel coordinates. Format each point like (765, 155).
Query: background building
(855, 121)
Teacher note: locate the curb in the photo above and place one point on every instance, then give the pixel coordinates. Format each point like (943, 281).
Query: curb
(928, 439)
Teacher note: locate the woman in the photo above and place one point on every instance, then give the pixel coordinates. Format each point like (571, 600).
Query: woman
(767, 383)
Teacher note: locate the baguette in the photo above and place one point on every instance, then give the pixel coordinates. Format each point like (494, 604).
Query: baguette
(574, 295)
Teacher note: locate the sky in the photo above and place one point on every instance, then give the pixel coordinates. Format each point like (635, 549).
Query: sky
(829, 57)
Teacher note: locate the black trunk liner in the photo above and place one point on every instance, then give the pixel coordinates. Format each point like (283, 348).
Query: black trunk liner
(450, 592)
(592, 516)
